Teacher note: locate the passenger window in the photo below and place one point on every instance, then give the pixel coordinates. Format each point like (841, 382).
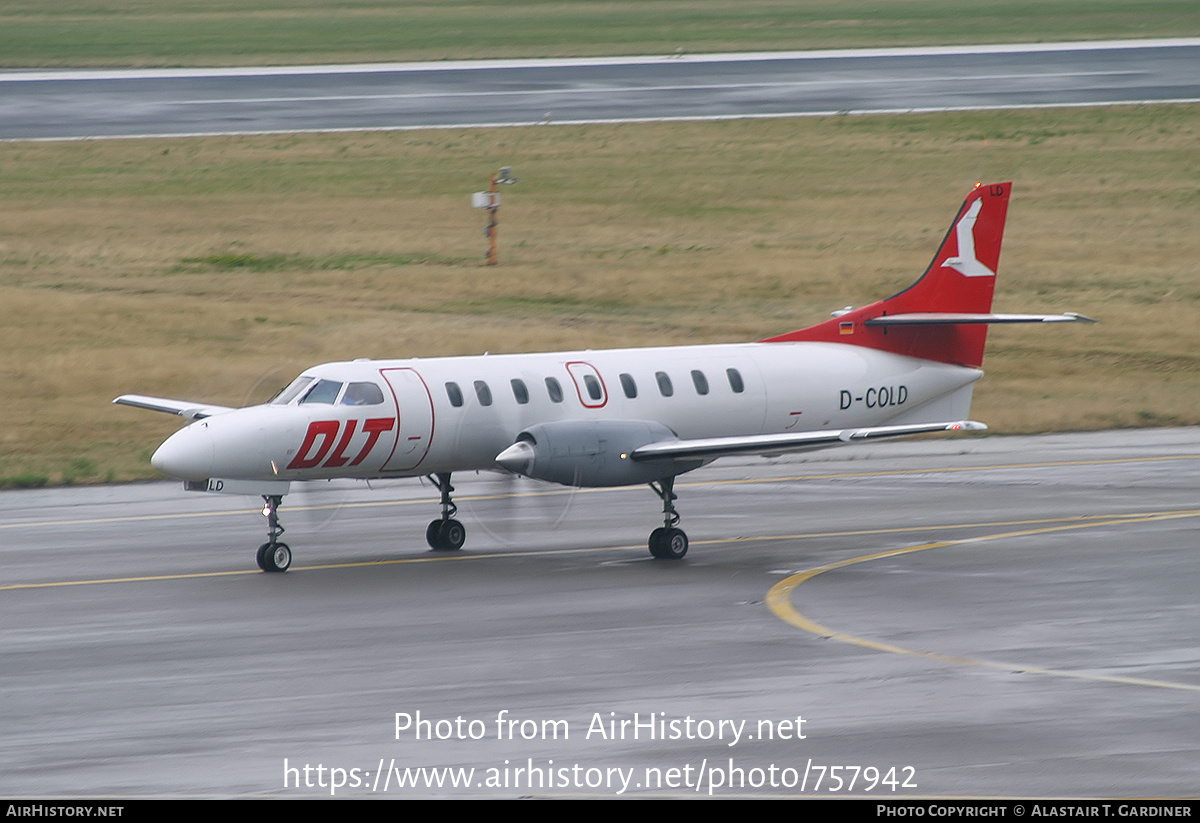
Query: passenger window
(362, 394)
(593, 387)
(325, 391)
(520, 392)
(664, 384)
(629, 386)
(700, 381)
(455, 394)
(735, 381)
(554, 388)
(483, 393)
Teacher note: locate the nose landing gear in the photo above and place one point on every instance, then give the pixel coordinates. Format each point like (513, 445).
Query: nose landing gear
(273, 556)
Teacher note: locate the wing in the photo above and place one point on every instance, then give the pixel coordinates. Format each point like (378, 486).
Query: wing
(770, 444)
(183, 408)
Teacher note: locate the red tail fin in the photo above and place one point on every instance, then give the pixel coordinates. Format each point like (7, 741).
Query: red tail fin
(959, 281)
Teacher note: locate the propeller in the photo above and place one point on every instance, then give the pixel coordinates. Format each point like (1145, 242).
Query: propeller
(507, 507)
(311, 505)
(256, 395)
(512, 509)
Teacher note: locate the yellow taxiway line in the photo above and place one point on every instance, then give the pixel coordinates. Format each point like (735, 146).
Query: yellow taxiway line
(424, 501)
(779, 601)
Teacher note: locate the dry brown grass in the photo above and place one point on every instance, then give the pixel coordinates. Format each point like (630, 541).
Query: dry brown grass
(195, 268)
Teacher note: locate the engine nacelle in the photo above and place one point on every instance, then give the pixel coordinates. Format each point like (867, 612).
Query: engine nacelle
(592, 453)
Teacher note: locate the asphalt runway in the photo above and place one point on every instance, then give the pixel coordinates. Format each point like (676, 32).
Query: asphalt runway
(100, 103)
(1011, 616)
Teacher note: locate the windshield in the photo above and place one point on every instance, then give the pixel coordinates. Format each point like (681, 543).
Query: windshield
(326, 391)
(294, 388)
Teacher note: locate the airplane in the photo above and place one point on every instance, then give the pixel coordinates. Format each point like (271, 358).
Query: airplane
(900, 366)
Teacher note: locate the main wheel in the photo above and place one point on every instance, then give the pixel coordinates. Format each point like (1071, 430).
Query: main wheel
(276, 558)
(433, 534)
(675, 545)
(656, 541)
(452, 535)
(668, 544)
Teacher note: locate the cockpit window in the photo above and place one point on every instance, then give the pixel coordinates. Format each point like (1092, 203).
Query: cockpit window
(291, 391)
(362, 394)
(326, 391)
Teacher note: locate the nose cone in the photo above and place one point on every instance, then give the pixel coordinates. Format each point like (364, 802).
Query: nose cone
(187, 454)
(518, 457)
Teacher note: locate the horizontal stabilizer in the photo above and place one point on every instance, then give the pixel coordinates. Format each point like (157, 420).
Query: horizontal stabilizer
(954, 319)
(183, 408)
(767, 444)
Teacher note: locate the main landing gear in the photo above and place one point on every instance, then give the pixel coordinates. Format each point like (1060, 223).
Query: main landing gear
(668, 542)
(273, 556)
(446, 534)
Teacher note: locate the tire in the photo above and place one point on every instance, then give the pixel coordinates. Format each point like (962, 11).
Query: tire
(277, 558)
(673, 545)
(433, 534)
(452, 535)
(656, 542)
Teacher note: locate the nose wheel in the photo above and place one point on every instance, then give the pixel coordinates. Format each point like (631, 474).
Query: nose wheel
(273, 556)
(446, 534)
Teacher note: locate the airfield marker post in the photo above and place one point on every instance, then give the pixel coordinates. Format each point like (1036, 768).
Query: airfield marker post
(490, 200)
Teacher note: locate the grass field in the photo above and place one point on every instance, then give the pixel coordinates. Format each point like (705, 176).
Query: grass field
(243, 32)
(216, 269)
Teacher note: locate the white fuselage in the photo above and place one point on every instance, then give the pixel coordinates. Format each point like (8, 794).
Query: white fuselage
(458, 413)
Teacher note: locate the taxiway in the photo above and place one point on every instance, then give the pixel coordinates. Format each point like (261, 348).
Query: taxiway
(1014, 616)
